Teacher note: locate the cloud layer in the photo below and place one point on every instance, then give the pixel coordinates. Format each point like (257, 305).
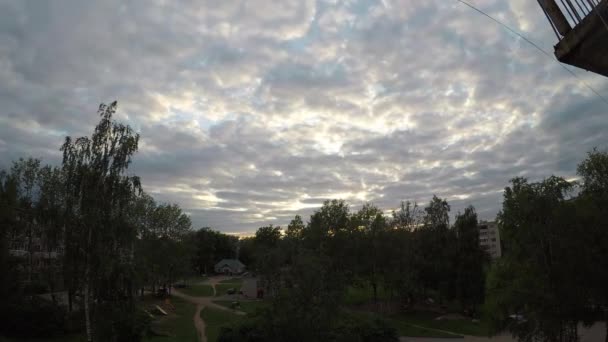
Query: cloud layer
(253, 111)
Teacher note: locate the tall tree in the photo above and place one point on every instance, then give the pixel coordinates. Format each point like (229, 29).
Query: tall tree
(99, 192)
(373, 225)
(436, 243)
(539, 227)
(592, 204)
(470, 260)
(408, 217)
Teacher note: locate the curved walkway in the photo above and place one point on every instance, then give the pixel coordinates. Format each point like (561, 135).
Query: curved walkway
(201, 303)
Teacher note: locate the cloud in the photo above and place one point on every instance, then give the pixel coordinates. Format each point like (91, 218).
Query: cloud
(252, 112)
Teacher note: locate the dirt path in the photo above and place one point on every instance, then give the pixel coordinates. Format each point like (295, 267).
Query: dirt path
(201, 303)
(199, 324)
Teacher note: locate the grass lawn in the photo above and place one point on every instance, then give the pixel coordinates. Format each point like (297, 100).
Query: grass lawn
(363, 294)
(406, 329)
(181, 326)
(221, 289)
(215, 319)
(249, 307)
(198, 290)
(232, 281)
(192, 280)
(65, 338)
(458, 326)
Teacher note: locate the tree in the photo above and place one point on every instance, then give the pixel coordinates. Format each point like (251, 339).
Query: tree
(295, 228)
(592, 204)
(408, 217)
(333, 217)
(210, 247)
(470, 260)
(100, 241)
(437, 214)
(269, 256)
(372, 223)
(538, 275)
(436, 244)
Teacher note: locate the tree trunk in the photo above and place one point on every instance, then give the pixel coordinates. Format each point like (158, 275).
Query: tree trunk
(70, 299)
(87, 280)
(31, 254)
(87, 317)
(375, 287)
(606, 323)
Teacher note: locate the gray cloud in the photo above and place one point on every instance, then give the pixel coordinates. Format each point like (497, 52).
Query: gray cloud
(251, 112)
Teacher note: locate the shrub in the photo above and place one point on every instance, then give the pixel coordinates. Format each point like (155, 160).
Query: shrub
(32, 317)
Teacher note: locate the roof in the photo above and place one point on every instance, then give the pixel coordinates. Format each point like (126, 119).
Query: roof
(232, 263)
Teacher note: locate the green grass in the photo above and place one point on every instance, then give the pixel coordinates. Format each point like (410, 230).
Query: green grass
(215, 319)
(180, 327)
(406, 329)
(232, 281)
(221, 289)
(458, 326)
(363, 294)
(64, 338)
(249, 307)
(201, 290)
(192, 280)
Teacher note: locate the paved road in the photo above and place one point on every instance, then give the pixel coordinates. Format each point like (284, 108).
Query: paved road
(250, 287)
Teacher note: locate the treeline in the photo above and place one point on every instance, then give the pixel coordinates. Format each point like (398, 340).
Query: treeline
(553, 274)
(413, 255)
(87, 228)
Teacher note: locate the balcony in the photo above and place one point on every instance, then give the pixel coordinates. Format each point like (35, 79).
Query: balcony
(581, 27)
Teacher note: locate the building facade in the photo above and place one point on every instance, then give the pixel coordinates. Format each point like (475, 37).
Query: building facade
(229, 266)
(489, 238)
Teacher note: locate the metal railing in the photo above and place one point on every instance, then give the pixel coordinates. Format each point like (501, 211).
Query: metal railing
(567, 14)
(577, 10)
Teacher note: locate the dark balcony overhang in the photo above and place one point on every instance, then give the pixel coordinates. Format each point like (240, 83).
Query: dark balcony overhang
(584, 44)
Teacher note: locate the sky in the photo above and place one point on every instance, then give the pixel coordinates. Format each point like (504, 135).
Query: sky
(251, 112)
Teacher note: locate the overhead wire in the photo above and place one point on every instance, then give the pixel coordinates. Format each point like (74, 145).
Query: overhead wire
(466, 3)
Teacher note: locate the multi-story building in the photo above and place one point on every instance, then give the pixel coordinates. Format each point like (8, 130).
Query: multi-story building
(489, 238)
(36, 262)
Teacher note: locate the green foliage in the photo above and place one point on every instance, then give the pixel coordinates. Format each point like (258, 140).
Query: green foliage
(538, 277)
(295, 227)
(210, 247)
(117, 321)
(362, 328)
(345, 327)
(18, 315)
(471, 258)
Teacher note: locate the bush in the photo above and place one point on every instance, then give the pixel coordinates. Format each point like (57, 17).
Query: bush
(117, 321)
(348, 327)
(363, 328)
(32, 317)
(250, 330)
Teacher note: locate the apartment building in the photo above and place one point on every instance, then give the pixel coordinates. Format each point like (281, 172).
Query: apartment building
(489, 238)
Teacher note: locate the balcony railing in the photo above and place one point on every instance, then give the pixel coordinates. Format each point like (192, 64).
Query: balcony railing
(564, 15)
